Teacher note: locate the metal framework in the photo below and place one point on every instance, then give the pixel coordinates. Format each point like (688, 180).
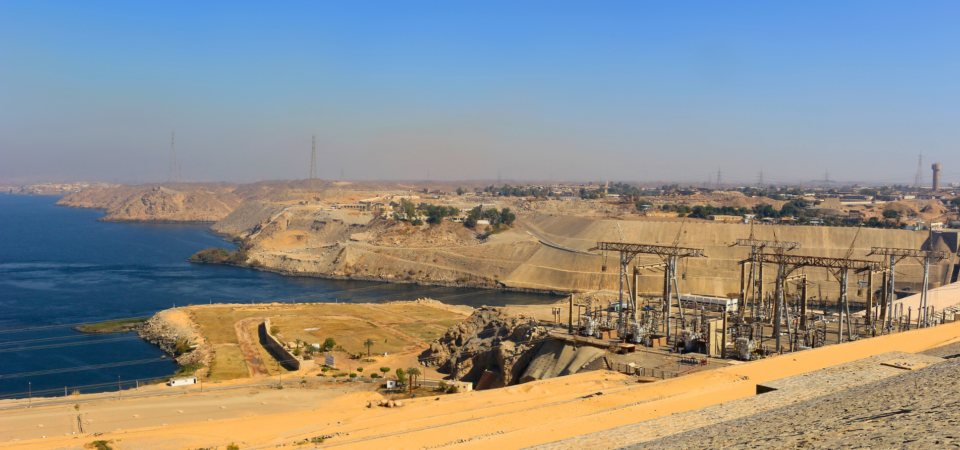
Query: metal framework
(788, 263)
(669, 253)
(756, 270)
(896, 255)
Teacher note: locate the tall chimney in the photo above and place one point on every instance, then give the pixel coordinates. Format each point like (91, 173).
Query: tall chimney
(936, 176)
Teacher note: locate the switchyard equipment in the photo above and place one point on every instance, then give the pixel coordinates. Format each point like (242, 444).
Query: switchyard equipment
(789, 263)
(670, 254)
(896, 255)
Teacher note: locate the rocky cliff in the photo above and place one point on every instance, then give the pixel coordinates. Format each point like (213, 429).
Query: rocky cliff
(490, 340)
(176, 203)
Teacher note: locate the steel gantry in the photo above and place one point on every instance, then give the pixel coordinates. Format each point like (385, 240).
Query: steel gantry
(896, 255)
(789, 263)
(755, 282)
(670, 254)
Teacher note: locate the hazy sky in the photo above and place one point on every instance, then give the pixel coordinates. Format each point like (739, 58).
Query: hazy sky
(634, 90)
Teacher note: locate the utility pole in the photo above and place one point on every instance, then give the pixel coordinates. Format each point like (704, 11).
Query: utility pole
(29, 394)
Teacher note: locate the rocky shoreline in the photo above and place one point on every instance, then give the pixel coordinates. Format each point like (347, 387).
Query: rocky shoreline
(175, 333)
(497, 287)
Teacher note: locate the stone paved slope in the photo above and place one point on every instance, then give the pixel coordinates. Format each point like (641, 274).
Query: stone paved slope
(917, 409)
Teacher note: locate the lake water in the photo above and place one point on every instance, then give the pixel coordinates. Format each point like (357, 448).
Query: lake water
(60, 267)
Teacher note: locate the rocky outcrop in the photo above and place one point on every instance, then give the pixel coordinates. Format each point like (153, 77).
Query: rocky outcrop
(174, 203)
(491, 340)
(177, 334)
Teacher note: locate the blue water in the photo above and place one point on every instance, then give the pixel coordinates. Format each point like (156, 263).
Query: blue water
(60, 266)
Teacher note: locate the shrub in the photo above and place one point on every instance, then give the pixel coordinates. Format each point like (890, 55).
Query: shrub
(274, 330)
(453, 390)
(99, 445)
(401, 376)
(183, 346)
(353, 375)
(296, 352)
(188, 370)
(374, 375)
(359, 369)
(233, 446)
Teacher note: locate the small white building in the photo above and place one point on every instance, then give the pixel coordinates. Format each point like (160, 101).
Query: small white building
(183, 381)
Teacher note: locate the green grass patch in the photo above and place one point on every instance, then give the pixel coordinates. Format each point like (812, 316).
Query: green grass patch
(228, 364)
(112, 326)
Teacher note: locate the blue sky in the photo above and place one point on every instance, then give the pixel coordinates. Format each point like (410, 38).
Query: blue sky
(630, 91)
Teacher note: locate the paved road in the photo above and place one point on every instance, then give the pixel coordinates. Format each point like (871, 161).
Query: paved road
(546, 241)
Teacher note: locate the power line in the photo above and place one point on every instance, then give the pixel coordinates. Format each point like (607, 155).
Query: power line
(68, 344)
(65, 325)
(77, 369)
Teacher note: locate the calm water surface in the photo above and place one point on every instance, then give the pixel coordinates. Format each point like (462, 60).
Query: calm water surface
(59, 266)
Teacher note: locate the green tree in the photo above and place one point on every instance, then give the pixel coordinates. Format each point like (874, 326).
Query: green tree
(328, 344)
(891, 214)
(368, 343)
(413, 373)
(385, 370)
(401, 376)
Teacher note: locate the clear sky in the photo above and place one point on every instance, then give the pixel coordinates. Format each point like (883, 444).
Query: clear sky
(628, 91)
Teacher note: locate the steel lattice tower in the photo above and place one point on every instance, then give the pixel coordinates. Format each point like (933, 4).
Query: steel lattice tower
(174, 170)
(313, 159)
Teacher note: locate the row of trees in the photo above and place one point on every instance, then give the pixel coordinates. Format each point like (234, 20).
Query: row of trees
(497, 218)
(406, 210)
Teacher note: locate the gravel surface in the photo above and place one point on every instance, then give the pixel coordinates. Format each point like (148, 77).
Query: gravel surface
(946, 351)
(917, 409)
(787, 392)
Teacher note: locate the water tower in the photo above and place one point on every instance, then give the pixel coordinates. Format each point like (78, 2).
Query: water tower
(936, 176)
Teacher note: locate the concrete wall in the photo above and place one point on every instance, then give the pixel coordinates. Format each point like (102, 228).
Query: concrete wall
(279, 351)
(718, 274)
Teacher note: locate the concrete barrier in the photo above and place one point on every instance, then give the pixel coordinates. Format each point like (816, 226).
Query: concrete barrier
(279, 351)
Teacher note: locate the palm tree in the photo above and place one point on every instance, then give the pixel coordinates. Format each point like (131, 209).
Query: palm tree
(369, 343)
(414, 373)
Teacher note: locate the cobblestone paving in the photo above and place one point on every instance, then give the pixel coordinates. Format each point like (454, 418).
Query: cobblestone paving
(666, 432)
(947, 351)
(919, 409)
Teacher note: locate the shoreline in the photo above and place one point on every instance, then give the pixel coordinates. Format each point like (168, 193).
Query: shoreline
(498, 287)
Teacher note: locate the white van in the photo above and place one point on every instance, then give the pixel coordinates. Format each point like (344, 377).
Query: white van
(183, 381)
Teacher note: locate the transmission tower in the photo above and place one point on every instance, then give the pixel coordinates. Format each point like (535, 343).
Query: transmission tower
(916, 181)
(313, 159)
(826, 179)
(173, 175)
(760, 181)
(718, 179)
